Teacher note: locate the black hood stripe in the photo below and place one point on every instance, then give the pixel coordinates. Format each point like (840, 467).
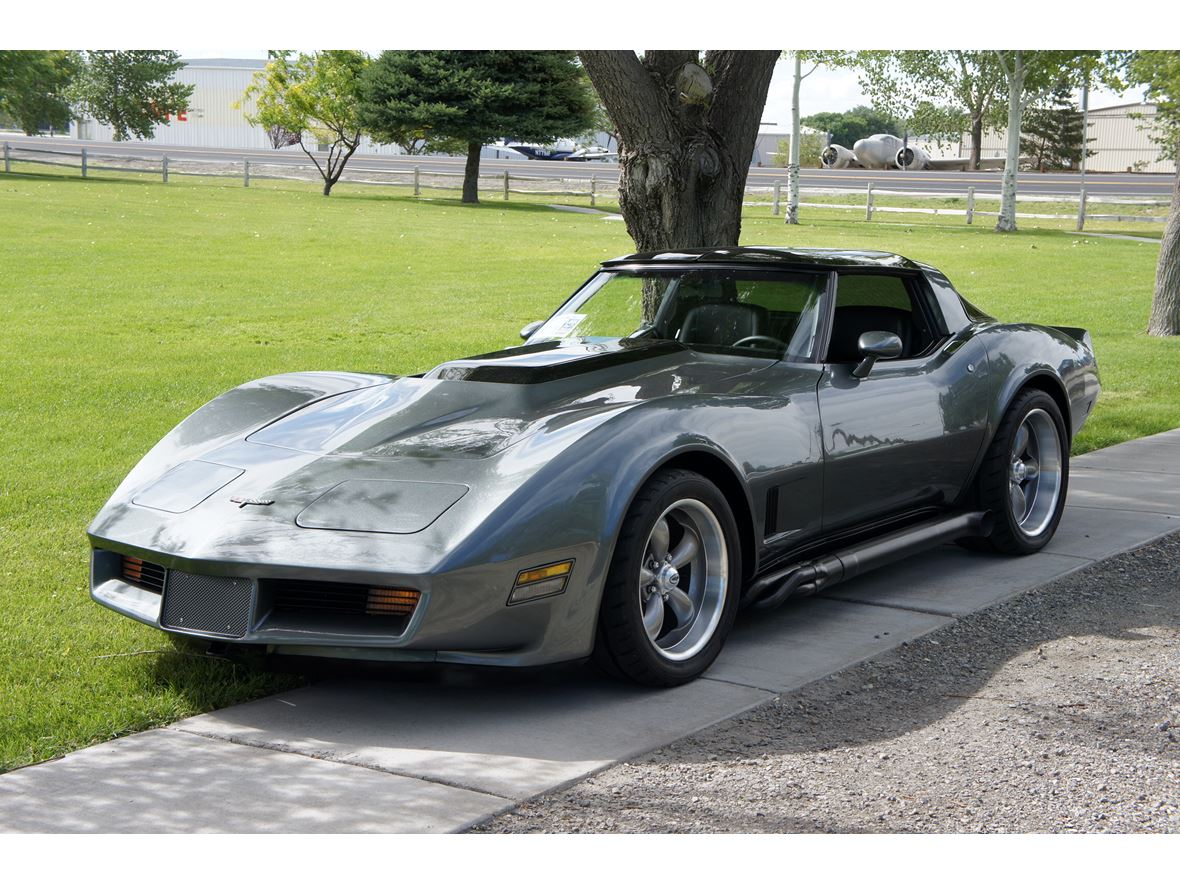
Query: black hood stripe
(559, 369)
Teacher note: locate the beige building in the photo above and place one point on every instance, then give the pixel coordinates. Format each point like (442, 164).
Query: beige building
(1121, 137)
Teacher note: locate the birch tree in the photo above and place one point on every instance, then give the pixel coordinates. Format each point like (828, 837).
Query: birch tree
(687, 126)
(1014, 64)
(796, 137)
(1029, 75)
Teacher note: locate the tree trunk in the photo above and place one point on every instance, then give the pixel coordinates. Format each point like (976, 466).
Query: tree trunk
(976, 139)
(1165, 306)
(1007, 220)
(796, 139)
(471, 173)
(684, 144)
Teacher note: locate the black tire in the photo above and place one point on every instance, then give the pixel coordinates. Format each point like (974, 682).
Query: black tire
(997, 474)
(623, 647)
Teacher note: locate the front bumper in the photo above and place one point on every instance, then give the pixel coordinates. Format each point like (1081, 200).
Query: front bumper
(461, 617)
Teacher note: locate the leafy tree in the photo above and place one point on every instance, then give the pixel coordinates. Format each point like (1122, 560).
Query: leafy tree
(1053, 134)
(33, 86)
(811, 146)
(1159, 71)
(130, 91)
(849, 127)
(277, 135)
(687, 126)
(313, 95)
(475, 97)
(935, 92)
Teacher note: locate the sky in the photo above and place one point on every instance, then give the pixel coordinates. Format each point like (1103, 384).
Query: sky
(837, 90)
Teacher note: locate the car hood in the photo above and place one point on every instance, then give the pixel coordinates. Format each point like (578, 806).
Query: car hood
(417, 462)
(477, 407)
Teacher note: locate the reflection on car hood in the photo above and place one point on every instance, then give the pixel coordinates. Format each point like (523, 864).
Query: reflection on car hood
(476, 407)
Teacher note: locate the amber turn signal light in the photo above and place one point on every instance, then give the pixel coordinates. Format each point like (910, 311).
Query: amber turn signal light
(391, 601)
(544, 580)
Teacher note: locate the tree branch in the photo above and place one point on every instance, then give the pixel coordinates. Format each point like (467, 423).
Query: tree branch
(635, 103)
(311, 156)
(741, 79)
(666, 62)
(1003, 64)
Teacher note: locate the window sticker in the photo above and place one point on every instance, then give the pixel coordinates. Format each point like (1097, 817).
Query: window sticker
(561, 326)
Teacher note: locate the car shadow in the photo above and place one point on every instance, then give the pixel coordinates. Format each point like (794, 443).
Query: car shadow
(516, 733)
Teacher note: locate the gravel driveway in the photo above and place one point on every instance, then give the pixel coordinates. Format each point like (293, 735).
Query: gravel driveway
(1058, 711)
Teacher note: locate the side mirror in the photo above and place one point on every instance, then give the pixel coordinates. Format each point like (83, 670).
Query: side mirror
(527, 332)
(875, 346)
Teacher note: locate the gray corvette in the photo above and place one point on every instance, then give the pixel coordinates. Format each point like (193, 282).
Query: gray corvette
(689, 434)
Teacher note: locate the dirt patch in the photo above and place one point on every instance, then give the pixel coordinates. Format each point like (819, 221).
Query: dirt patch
(1058, 711)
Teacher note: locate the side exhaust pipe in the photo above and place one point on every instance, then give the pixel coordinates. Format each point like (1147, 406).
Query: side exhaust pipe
(803, 579)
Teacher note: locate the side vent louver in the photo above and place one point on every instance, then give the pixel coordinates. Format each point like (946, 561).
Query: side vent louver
(771, 523)
(143, 574)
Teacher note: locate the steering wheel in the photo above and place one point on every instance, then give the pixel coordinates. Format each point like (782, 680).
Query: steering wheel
(751, 341)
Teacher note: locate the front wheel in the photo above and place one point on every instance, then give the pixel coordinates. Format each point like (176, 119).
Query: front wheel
(672, 591)
(1024, 475)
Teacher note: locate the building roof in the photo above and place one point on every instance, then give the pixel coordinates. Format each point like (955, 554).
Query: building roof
(1148, 107)
(769, 256)
(251, 64)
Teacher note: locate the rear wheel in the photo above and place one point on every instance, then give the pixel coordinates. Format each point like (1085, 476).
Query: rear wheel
(672, 591)
(1025, 474)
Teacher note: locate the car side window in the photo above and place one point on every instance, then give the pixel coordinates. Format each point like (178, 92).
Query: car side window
(790, 302)
(878, 303)
(772, 315)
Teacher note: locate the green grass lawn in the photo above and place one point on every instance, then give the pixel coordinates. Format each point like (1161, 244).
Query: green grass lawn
(127, 304)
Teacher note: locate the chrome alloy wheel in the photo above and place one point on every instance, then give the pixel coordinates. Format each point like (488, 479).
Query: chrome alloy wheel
(1034, 473)
(683, 579)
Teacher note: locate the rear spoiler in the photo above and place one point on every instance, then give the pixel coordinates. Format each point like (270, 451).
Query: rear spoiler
(1080, 335)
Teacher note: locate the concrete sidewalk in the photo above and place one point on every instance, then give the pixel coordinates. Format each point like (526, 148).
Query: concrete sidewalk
(441, 752)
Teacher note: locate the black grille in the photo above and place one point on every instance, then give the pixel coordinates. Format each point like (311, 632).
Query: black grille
(143, 574)
(340, 599)
(207, 604)
(313, 596)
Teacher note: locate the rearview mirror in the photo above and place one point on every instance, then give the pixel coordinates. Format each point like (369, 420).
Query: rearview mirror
(874, 346)
(527, 332)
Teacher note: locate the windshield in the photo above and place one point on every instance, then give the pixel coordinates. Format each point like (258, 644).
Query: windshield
(754, 313)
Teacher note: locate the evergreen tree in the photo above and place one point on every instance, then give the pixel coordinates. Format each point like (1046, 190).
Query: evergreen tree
(1052, 132)
(473, 98)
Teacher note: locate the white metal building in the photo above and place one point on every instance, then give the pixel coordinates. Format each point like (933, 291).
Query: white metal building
(1120, 135)
(213, 121)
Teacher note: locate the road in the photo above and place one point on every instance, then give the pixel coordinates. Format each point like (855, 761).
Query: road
(1138, 184)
